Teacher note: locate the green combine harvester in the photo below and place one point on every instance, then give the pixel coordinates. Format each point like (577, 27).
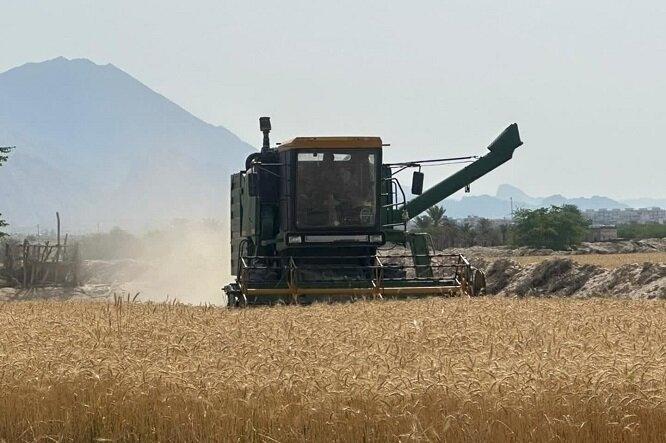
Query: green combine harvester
(314, 219)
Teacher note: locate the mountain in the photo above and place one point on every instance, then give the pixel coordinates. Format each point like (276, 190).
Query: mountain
(583, 203)
(499, 206)
(508, 192)
(101, 147)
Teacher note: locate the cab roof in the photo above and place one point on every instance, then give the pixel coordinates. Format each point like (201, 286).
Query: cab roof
(331, 143)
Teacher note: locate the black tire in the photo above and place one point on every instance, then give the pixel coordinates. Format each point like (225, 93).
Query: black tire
(233, 295)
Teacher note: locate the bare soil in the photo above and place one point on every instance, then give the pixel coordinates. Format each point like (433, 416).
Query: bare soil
(627, 269)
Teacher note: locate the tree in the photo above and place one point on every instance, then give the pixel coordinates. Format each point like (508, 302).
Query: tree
(468, 234)
(648, 230)
(423, 222)
(486, 233)
(4, 150)
(553, 228)
(436, 214)
(503, 234)
(447, 233)
(450, 234)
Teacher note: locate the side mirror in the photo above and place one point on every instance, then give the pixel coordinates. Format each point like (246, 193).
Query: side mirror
(253, 184)
(417, 183)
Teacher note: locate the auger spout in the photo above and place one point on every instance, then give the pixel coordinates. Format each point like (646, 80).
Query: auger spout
(501, 151)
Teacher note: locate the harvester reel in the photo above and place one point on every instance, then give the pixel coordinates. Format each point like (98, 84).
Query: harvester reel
(477, 283)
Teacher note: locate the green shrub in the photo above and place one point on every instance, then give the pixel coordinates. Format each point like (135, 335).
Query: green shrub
(636, 231)
(556, 227)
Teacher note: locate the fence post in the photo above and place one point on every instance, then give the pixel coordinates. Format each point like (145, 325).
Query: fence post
(25, 263)
(8, 265)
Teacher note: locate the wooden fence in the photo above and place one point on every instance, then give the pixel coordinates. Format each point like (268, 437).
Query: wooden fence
(27, 265)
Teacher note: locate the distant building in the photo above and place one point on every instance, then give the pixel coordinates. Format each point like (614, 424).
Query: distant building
(602, 233)
(626, 216)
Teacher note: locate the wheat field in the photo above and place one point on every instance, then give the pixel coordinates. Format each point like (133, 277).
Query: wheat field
(490, 369)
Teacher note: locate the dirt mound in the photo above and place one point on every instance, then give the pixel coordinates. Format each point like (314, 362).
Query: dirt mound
(647, 280)
(611, 247)
(100, 280)
(565, 277)
(559, 276)
(84, 292)
(499, 274)
(623, 246)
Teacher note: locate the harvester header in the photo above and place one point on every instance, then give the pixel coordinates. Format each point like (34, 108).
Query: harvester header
(309, 219)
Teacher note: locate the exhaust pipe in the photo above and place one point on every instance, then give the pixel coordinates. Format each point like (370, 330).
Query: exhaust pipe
(265, 127)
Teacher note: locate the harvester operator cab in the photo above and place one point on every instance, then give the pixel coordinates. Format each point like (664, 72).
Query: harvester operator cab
(308, 193)
(332, 187)
(335, 190)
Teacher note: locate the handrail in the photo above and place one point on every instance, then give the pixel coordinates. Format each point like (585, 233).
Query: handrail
(348, 257)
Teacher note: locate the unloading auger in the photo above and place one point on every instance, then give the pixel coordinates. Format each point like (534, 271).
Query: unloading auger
(310, 216)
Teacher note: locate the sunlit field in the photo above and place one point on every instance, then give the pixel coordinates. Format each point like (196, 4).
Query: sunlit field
(491, 369)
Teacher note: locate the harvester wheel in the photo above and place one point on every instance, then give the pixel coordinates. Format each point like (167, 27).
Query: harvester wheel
(235, 297)
(477, 283)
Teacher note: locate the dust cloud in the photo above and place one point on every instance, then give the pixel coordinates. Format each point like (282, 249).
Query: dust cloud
(192, 269)
(189, 263)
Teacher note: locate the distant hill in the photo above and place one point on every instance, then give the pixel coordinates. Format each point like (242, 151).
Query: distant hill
(595, 202)
(100, 146)
(499, 206)
(507, 192)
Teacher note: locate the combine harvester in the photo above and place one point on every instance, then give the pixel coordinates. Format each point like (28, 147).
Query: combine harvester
(309, 219)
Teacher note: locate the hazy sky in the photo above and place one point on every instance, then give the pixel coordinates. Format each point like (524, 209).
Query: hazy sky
(585, 81)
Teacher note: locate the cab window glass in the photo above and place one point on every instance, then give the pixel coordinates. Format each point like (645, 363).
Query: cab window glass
(335, 189)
